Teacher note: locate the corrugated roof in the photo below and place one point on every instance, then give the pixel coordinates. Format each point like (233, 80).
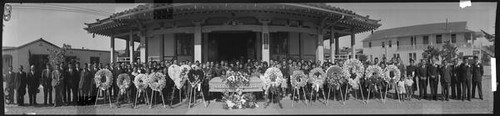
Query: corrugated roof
(450, 27)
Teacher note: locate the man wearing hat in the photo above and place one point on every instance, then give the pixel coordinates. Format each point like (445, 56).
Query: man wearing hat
(33, 84)
(477, 73)
(466, 70)
(21, 83)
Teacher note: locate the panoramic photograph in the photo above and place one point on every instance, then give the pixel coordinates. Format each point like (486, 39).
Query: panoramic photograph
(248, 58)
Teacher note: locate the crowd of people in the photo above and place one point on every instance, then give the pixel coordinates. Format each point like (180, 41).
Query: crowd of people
(74, 84)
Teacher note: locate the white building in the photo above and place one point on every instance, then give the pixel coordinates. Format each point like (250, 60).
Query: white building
(410, 42)
(40, 49)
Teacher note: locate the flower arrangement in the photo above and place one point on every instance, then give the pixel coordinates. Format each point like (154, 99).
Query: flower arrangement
(98, 76)
(239, 100)
(174, 71)
(123, 82)
(183, 75)
(317, 78)
(273, 78)
(353, 66)
(394, 69)
(298, 79)
(157, 81)
(236, 79)
(140, 82)
(334, 76)
(374, 74)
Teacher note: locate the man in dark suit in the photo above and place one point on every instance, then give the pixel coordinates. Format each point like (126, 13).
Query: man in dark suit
(446, 79)
(65, 84)
(33, 84)
(411, 72)
(467, 80)
(477, 73)
(84, 84)
(47, 86)
(58, 84)
(21, 82)
(422, 79)
(93, 88)
(453, 82)
(433, 77)
(10, 79)
(72, 79)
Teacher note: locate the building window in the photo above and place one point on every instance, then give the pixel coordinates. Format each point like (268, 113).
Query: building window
(426, 39)
(414, 56)
(185, 44)
(410, 55)
(397, 43)
(369, 44)
(279, 43)
(453, 38)
(439, 39)
(411, 40)
(390, 43)
(94, 60)
(383, 45)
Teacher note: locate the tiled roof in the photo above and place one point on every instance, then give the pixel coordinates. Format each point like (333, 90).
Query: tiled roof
(450, 27)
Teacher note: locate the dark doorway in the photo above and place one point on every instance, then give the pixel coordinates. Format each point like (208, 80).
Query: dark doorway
(231, 46)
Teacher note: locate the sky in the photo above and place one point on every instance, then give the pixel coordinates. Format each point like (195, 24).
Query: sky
(64, 23)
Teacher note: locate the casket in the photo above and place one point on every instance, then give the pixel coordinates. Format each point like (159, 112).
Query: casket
(216, 85)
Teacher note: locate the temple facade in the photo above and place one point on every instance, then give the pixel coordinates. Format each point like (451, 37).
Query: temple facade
(226, 31)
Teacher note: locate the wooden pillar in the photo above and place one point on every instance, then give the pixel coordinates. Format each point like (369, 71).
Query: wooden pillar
(265, 40)
(332, 45)
(143, 48)
(162, 47)
(205, 50)
(319, 48)
(197, 41)
(112, 51)
(258, 46)
(353, 55)
(127, 47)
(131, 44)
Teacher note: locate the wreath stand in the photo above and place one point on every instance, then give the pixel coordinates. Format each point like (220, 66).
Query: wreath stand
(272, 96)
(138, 94)
(172, 96)
(334, 90)
(362, 94)
(312, 90)
(152, 98)
(297, 90)
(103, 92)
(128, 97)
(193, 91)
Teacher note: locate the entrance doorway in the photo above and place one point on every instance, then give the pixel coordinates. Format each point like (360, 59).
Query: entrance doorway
(232, 45)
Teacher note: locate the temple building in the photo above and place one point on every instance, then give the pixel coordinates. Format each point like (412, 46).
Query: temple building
(226, 31)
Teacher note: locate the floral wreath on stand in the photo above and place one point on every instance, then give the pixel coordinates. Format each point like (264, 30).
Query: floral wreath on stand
(183, 76)
(357, 67)
(298, 79)
(334, 76)
(374, 74)
(123, 82)
(317, 78)
(98, 76)
(140, 82)
(157, 81)
(395, 70)
(273, 78)
(174, 72)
